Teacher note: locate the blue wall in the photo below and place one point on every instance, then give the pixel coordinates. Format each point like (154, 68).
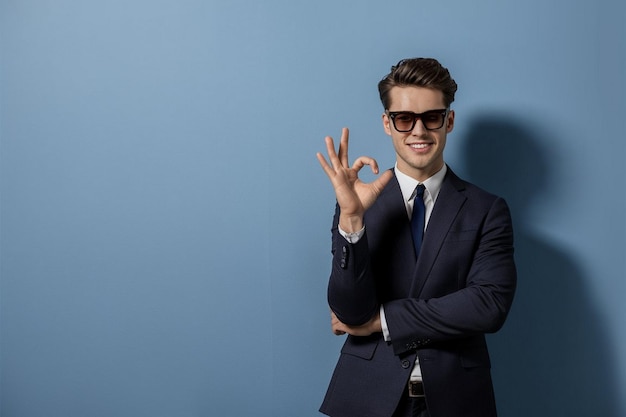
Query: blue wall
(165, 224)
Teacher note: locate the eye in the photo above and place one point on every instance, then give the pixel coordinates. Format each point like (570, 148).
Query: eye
(432, 117)
(404, 118)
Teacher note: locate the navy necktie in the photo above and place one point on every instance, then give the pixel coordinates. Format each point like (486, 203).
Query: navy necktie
(417, 219)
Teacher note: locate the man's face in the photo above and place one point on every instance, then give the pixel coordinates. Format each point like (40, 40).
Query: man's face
(419, 153)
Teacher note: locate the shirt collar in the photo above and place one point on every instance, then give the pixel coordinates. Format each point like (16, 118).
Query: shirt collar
(432, 184)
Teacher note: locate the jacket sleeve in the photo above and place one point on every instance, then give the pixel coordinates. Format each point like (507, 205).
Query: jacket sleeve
(351, 288)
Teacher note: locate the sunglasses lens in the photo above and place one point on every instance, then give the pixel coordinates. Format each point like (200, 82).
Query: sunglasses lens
(433, 119)
(404, 122)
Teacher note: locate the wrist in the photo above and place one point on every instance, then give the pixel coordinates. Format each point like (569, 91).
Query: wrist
(375, 324)
(351, 224)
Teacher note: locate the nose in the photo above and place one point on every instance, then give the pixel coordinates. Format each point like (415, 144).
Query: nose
(419, 128)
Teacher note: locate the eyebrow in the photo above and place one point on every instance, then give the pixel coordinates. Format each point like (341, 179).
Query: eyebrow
(412, 112)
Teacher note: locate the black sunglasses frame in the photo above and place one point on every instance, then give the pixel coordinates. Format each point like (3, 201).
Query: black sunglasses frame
(393, 114)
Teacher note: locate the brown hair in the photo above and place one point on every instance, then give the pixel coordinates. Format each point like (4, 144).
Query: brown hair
(418, 72)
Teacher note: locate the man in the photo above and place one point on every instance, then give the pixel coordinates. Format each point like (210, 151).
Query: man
(422, 265)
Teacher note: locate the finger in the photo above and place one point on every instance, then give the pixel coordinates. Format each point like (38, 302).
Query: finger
(327, 168)
(374, 166)
(332, 154)
(338, 329)
(361, 161)
(336, 325)
(343, 147)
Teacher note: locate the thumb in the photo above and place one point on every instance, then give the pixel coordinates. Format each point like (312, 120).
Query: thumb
(382, 181)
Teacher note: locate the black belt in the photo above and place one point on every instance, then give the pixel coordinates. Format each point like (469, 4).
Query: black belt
(416, 389)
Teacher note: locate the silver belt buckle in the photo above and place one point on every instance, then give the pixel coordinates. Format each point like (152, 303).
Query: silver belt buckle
(416, 389)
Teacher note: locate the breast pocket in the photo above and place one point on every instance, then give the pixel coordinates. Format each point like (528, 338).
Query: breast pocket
(462, 235)
(361, 347)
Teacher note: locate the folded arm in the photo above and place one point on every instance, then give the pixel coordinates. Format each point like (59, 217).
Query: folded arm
(480, 304)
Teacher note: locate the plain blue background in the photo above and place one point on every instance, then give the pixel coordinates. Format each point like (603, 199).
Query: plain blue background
(165, 223)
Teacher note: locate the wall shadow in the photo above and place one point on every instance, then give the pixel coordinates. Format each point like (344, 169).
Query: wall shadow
(553, 356)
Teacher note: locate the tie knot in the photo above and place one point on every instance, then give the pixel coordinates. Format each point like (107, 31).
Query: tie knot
(419, 191)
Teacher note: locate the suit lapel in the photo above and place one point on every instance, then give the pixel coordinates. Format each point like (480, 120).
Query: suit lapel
(447, 207)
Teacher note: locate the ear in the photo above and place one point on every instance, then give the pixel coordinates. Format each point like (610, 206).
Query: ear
(450, 122)
(386, 124)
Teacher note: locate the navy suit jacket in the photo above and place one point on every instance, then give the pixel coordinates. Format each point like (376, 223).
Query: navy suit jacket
(438, 307)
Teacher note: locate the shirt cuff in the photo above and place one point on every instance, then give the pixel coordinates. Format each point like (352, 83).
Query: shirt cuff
(383, 324)
(352, 237)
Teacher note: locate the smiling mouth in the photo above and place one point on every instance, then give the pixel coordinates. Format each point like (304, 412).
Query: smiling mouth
(419, 145)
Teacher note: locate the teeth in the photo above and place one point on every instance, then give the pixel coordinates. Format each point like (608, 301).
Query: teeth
(418, 145)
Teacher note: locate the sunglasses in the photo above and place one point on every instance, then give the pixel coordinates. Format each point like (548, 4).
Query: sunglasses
(404, 121)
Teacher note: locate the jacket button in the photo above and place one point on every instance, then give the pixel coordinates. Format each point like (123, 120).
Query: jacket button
(344, 258)
(406, 364)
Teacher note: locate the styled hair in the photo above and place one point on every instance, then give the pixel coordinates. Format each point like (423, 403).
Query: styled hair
(418, 72)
